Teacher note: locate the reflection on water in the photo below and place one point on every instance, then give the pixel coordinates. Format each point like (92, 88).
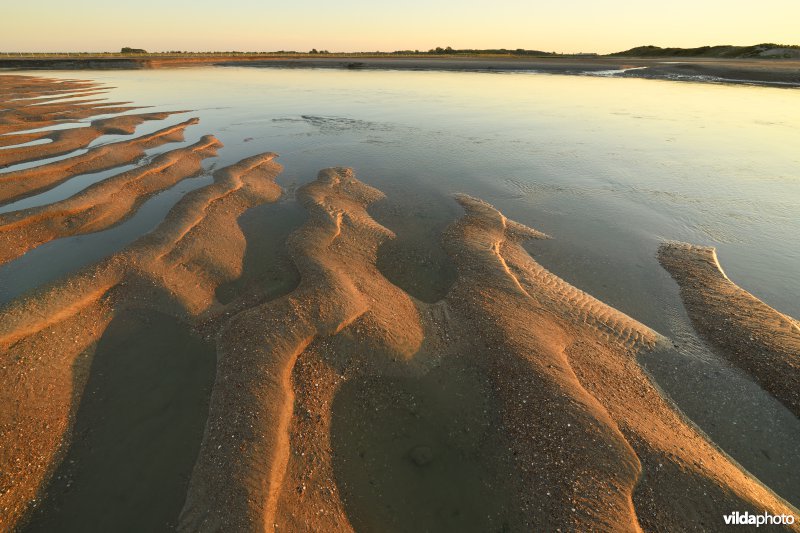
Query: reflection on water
(608, 166)
(643, 159)
(58, 258)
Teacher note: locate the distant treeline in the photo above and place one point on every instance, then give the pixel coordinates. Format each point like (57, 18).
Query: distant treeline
(476, 51)
(721, 51)
(765, 50)
(138, 52)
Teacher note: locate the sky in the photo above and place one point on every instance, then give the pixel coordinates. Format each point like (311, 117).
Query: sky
(367, 25)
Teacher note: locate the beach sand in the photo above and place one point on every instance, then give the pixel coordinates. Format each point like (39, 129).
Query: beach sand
(514, 403)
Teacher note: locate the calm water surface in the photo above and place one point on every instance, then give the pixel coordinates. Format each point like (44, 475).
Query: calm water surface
(606, 166)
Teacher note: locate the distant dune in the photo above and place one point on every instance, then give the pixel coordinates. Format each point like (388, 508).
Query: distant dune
(766, 50)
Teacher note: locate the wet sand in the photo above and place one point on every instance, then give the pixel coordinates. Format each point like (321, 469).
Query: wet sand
(48, 339)
(102, 205)
(125, 442)
(512, 401)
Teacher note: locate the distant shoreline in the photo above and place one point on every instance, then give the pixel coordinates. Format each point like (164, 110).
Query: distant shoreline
(757, 71)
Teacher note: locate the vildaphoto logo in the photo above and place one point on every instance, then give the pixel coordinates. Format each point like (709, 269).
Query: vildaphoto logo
(746, 519)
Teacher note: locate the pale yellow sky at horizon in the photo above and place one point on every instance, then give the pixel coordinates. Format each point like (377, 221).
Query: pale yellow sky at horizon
(358, 25)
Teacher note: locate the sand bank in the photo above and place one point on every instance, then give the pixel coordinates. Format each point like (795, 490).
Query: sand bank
(23, 183)
(583, 439)
(32, 119)
(47, 339)
(24, 109)
(103, 204)
(23, 88)
(757, 338)
(579, 437)
(69, 140)
(776, 72)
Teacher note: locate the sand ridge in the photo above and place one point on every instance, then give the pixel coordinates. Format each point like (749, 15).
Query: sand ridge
(14, 122)
(103, 204)
(23, 183)
(558, 347)
(584, 440)
(30, 88)
(69, 140)
(47, 338)
(239, 475)
(757, 338)
(71, 96)
(23, 110)
(575, 453)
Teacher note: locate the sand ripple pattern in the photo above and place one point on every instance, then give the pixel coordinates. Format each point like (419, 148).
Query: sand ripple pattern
(47, 338)
(586, 442)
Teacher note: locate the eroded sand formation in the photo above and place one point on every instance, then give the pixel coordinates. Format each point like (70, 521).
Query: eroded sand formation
(103, 204)
(47, 340)
(68, 140)
(527, 391)
(583, 441)
(23, 183)
(753, 335)
(23, 109)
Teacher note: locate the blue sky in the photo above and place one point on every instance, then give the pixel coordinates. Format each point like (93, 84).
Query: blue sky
(346, 25)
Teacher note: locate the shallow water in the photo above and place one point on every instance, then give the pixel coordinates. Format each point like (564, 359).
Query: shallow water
(267, 272)
(76, 184)
(608, 166)
(25, 145)
(643, 160)
(58, 258)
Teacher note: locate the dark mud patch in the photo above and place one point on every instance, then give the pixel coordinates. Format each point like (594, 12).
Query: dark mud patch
(137, 431)
(415, 260)
(268, 272)
(410, 454)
